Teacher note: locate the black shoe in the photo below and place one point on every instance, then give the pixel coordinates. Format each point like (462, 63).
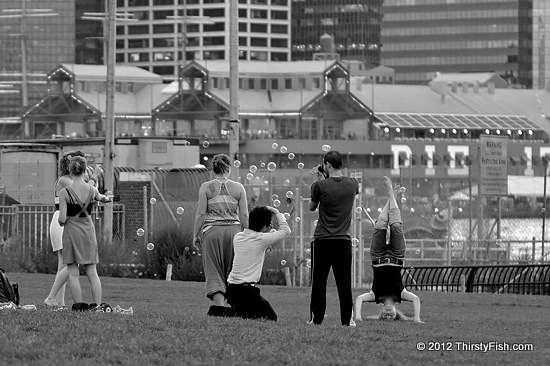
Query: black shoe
(80, 306)
(229, 312)
(216, 310)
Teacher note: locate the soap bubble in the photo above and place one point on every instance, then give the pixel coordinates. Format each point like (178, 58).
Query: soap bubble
(262, 165)
(286, 182)
(286, 215)
(150, 246)
(291, 156)
(272, 231)
(274, 197)
(271, 166)
(289, 194)
(283, 262)
(249, 176)
(326, 148)
(354, 242)
(253, 169)
(205, 144)
(300, 165)
(297, 219)
(315, 222)
(283, 149)
(180, 210)
(140, 232)
(417, 251)
(274, 146)
(358, 209)
(153, 200)
(276, 203)
(308, 263)
(403, 200)
(237, 163)
(402, 189)
(308, 250)
(187, 143)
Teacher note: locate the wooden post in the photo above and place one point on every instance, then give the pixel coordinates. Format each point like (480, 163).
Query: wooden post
(169, 272)
(288, 280)
(462, 283)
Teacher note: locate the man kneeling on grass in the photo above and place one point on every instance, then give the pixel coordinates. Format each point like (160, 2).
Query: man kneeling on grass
(249, 247)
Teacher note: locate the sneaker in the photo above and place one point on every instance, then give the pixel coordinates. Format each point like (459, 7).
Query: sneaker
(106, 307)
(352, 323)
(51, 302)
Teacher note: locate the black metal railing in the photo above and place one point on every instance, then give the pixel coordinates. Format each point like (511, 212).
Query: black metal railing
(531, 279)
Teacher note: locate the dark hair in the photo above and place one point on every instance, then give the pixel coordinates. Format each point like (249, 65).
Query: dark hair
(65, 161)
(334, 158)
(259, 217)
(221, 164)
(77, 166)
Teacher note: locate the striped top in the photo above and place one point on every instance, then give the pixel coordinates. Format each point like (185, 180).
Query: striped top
(222, 209)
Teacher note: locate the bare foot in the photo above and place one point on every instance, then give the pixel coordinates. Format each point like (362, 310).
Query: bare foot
(386, 181)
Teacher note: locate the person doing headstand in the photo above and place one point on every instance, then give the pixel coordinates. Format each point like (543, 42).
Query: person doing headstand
(387, 263)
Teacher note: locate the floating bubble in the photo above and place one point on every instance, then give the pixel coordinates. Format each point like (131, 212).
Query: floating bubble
(403, 199)
(436, 209)
(412, 209)
(297, 219)
(286, 215)
(379, 209)
(274, 146)
(253, 169)
(140, 232)
(283, 262)
(186, 249)
(368, 209)
(250, 176)
(272, 231)
(300, 165)
(417, 251)
(358, 209)
(498, 242)
(187, 143)
(180, 210)
(291, 156)
(274, 197)
(402, 189)
(326, 148)
(205, 144)
(289, 194)
(262, 165)
(308, 263)
(308, 250)
(150, 246)
(283, 149)
(286, 182)
(276, 203)
(271, 166)
(354, 242)
(315, 222)
(237, 163)
(153, 200)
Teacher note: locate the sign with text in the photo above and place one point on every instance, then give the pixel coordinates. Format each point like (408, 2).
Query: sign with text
(494, 165)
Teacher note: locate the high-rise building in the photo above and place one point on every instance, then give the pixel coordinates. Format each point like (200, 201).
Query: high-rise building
(354, 26)
(422, 37)
(159, 43)
(48, 42)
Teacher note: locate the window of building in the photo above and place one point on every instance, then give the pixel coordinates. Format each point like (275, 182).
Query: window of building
(213, 1)
(243, 41)
(274, 84)
(243, 13)
(288, 83)
(163, 28)
(130, 88)
(316, 83)
(251, 83)
(259, 2)
(258, 42)
(214, 55)
(279, 14)
(214, 12)
(216, 27)
(162, 14)
(163, 70)
(243, 27)
(263, 84)
(141, 14)
(258, 14)
(279, 42)
(138, 29)
(163, 42)
(279, 56)
(242, 55)
(279, 29)
(214, 41)
(258, 28)
(138, 2)
(258, 56)
(279, 2)
(308, 128)
(120, 57)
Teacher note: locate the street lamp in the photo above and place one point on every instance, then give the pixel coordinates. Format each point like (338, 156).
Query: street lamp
(23, 14)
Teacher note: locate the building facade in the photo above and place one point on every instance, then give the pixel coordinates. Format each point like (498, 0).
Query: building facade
(48, 41)
(160, 44)
(353, 24)
(508, 37)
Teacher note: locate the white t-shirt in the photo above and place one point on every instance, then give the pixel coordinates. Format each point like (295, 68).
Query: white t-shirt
(249, 247)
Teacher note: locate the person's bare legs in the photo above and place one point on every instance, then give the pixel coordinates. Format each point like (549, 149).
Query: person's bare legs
(56, 297)
(219, 299)
(95, 282)
(394, 214)
(74, 282)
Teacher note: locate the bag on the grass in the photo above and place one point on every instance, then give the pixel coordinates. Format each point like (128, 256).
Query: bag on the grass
(8, 292)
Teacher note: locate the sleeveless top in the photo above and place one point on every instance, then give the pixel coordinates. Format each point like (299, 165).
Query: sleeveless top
(222, 209)
(75, 207)
(387, 283)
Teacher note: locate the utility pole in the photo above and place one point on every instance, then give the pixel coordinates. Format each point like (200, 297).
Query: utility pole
(234, 128)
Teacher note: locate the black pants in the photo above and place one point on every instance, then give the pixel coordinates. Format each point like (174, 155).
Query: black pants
(248, 303)
(335, 253)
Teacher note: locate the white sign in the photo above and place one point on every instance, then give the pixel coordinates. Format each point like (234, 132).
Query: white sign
(135, 177)
(494, 165)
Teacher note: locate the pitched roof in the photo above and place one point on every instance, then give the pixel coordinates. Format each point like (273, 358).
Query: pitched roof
(276, 68)
(482, 78)
(99, 72)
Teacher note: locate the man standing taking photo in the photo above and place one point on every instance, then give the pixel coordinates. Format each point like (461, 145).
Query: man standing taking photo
(331, 247)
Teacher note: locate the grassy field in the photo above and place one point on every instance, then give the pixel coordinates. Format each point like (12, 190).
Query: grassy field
(169, 327)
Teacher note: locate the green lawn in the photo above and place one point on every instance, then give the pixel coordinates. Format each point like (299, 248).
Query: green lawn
(170, 327)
